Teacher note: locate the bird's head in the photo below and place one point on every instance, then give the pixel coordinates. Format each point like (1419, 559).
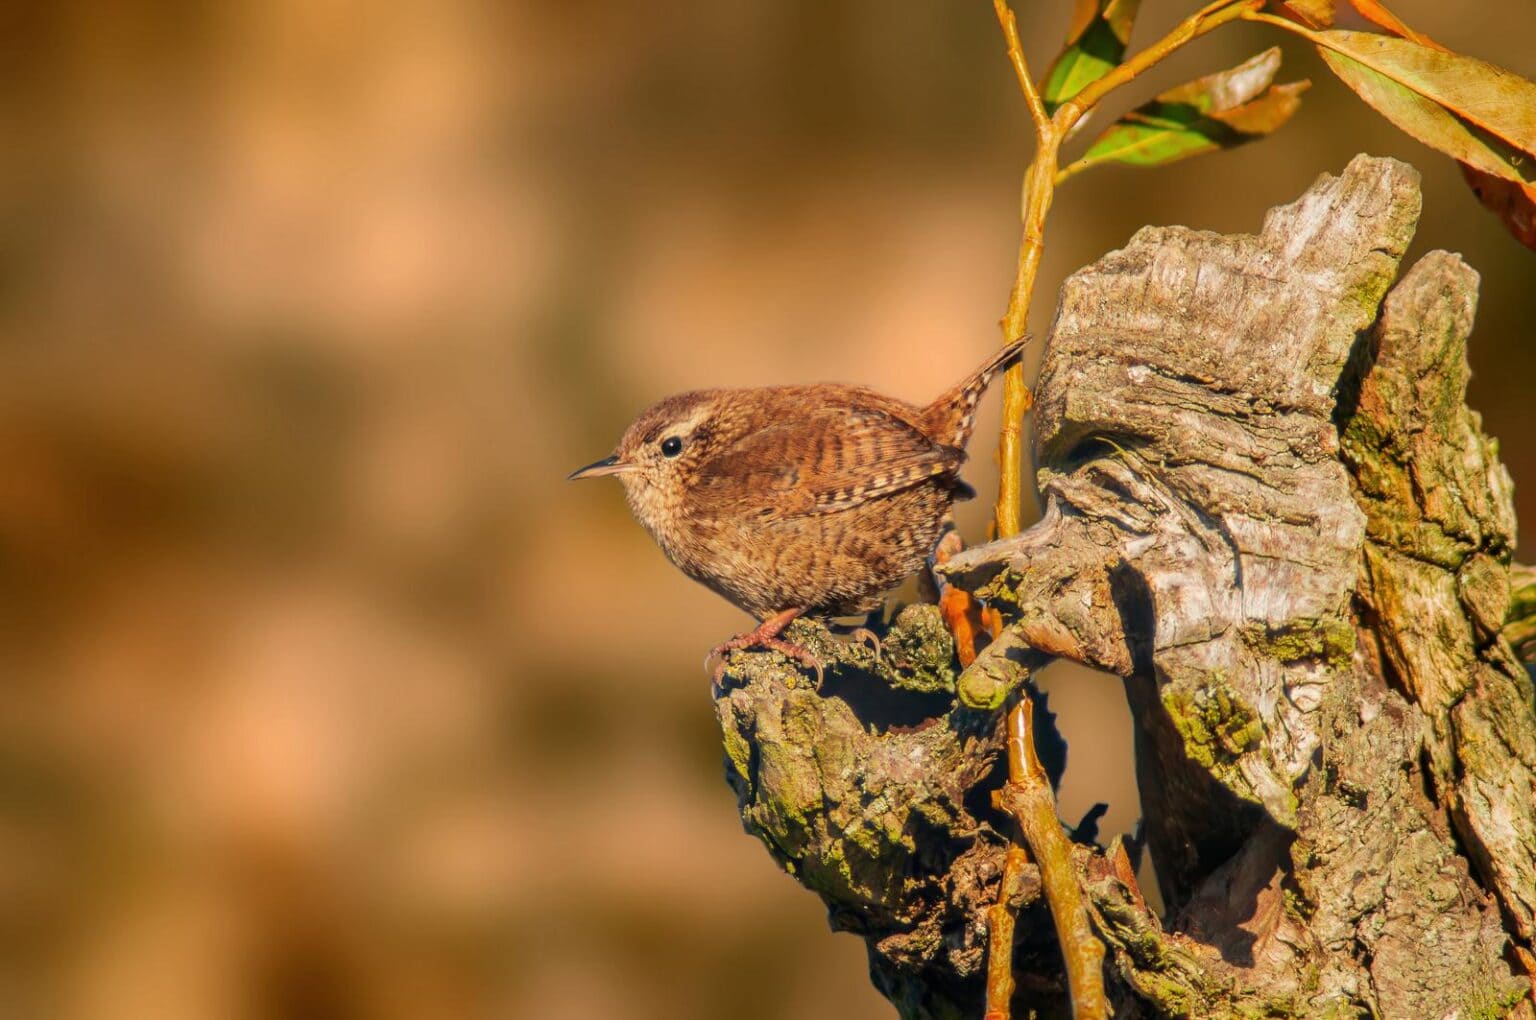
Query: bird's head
(659, 457)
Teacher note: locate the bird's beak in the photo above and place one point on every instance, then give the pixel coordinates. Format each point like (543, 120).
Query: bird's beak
(597, 469)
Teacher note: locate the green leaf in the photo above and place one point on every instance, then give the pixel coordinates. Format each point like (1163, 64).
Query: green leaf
(1482, 115)
(1096, 41)
(1219, 111)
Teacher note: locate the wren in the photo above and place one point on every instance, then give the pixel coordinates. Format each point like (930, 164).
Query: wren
(791, 500)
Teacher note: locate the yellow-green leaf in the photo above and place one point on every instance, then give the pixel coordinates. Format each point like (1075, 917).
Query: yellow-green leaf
(1482, 115)
(1219, 111)
(1096, 41)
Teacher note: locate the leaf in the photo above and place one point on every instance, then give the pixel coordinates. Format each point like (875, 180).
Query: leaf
(1227, 89)
(1374, 12)
(1481, 114)
(1312, 13)
(1510, 201)
(1219, 111)
(1096, 41)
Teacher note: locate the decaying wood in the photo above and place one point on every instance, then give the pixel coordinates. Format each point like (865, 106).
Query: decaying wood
(1336, 746)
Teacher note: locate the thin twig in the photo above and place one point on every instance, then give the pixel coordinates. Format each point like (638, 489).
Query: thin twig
(1032, 99)
(1027, 797)
(1036, 201)
(1000, 922)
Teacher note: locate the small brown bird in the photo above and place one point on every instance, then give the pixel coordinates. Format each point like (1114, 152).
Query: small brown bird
(790, 500)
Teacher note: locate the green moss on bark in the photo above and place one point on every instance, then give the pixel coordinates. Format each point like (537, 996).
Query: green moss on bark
(1330, 640)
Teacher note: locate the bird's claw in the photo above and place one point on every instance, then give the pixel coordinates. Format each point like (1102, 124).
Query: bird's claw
(785, 648)
(869, 639)
(799, 654)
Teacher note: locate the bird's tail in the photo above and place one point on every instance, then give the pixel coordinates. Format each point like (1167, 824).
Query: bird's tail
(949, 419)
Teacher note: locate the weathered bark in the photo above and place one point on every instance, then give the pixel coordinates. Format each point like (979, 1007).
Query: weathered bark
(1336, 745)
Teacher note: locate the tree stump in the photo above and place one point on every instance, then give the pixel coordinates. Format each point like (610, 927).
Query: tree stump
(1269, 510)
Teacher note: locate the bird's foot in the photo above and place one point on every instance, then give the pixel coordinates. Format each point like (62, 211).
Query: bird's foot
(766, 635)
(799, 653)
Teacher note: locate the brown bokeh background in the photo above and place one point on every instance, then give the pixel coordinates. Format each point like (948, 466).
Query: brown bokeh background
(324, 695)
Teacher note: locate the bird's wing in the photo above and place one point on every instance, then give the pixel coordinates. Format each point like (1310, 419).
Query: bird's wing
(833, 459)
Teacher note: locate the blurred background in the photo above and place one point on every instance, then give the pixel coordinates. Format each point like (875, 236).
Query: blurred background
(324, 695)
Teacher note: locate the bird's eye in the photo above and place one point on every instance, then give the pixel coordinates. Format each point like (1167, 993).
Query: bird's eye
(671, 446)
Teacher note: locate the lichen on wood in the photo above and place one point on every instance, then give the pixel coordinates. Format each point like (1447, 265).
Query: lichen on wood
(1269, 510)
(867, 793)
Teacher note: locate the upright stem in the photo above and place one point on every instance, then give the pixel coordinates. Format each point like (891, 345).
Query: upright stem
(1039, 189)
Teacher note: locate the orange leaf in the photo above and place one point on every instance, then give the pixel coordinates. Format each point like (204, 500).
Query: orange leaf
(1374, 12)
(1511, 202)
(1083, 13)
(1312, 13)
